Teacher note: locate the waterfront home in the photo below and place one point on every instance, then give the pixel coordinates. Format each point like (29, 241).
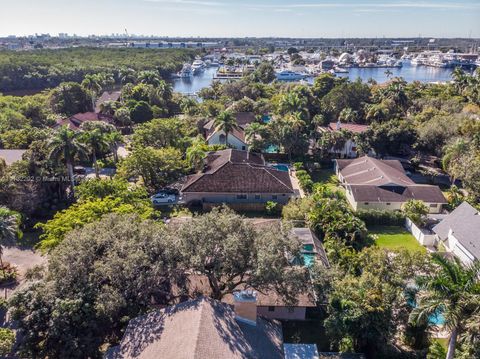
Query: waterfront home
(371, 183)
(240, 179)
(236, 139)
(349, 149)
(459, 233)
(11, 156)
(203, 328)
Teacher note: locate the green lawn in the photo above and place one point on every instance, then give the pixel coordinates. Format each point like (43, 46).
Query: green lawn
(394, 238)
(326, 176)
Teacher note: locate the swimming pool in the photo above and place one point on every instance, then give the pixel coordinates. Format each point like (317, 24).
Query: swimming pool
(281, 167)
(272, 149)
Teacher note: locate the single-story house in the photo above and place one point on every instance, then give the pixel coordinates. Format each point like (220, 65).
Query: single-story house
(74, 122)
(349, 150)
(202, 328)
(371, 183)
(236, 139)
(237, 178)
(11, 156)
(459, 232)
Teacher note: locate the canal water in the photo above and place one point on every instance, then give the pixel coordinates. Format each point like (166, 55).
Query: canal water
(408, 72)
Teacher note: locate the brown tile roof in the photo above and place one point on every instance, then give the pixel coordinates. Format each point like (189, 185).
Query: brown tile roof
(368, 170)
(74, 122)
(234, 171)
(352, 127)
(196, 329)
(11, 156)
(371, 193)
(245, 118)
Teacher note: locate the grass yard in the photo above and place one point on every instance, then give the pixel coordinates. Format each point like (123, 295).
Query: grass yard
(395, 238)
(327, 177)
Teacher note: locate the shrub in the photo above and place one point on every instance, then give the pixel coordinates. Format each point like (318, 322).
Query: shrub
(373, 217)
(298, 166)
(8, 273)
(416, 211)
(271, 207)
(297, 209)
(7, 339)
(305, 180)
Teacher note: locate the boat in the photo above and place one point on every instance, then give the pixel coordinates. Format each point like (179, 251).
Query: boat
(340, 70)
(186, 72)
(287, 75)
(198, 66)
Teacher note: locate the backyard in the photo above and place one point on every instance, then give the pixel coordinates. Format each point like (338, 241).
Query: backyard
(395, 238)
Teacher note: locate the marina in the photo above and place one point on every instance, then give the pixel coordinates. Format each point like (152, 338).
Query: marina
(408, 72)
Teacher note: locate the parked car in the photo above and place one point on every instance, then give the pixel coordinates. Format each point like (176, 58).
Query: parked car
(162, 198)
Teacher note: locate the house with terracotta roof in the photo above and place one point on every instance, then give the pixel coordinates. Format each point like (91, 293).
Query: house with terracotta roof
(458, 232)
(202, 328)
(349, 149)
(371, 183)
(74, 122)
(237, 178)
(236, 139)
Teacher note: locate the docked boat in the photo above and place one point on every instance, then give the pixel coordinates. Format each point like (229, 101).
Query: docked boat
(186, 72)
(340, 70)
(290, 76)
(198, 66)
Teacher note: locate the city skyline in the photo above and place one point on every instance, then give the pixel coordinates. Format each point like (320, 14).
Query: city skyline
(233, 18)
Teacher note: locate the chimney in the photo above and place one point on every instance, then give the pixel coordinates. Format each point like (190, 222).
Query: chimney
(245, 306)
(339, 125)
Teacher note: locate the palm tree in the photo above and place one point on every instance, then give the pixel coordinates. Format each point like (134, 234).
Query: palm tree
(65, 145)
(127, 75)
(9, 230)
(92, 83)
(348, 115)
(195, 156)
(225, 122)
(452, 290)
(108, 108)
(460, 79)
(149, 78)
(114, 139)
(96, 142)
(388, 73)
(253, 133)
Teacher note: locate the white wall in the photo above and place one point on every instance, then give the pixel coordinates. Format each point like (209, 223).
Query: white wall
(460, 251)
(281, 198)
(233, 141)
(425, 239)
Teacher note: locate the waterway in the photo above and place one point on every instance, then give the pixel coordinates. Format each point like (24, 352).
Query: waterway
(407, 72)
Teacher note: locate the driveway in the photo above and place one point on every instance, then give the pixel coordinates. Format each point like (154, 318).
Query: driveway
(23, 259)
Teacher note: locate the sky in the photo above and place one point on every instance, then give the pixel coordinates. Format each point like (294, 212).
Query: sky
(241, 18)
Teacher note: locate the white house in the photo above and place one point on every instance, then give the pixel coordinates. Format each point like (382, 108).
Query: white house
(349, 150)
(459, 232)
(236, 139)
(382, 184)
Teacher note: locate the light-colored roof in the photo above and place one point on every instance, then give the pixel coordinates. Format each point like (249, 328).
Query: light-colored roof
(199, 329)
(464, 221)
(11, 156)
(369, 170)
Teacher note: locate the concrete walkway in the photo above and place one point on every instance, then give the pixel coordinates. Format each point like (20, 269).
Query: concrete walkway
(296, 185)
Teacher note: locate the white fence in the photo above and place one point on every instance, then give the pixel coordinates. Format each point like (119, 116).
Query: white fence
(424, 237)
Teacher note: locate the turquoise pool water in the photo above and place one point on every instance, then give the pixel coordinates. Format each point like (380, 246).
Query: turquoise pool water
(435, 319)
(308, 259)
(271, 149)
(283, 168)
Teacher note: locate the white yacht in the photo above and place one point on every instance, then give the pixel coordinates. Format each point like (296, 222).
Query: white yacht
(186, 72)
(198, 66)
(290, 76)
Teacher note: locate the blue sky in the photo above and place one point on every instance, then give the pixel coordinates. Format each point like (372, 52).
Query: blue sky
(302, 18)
